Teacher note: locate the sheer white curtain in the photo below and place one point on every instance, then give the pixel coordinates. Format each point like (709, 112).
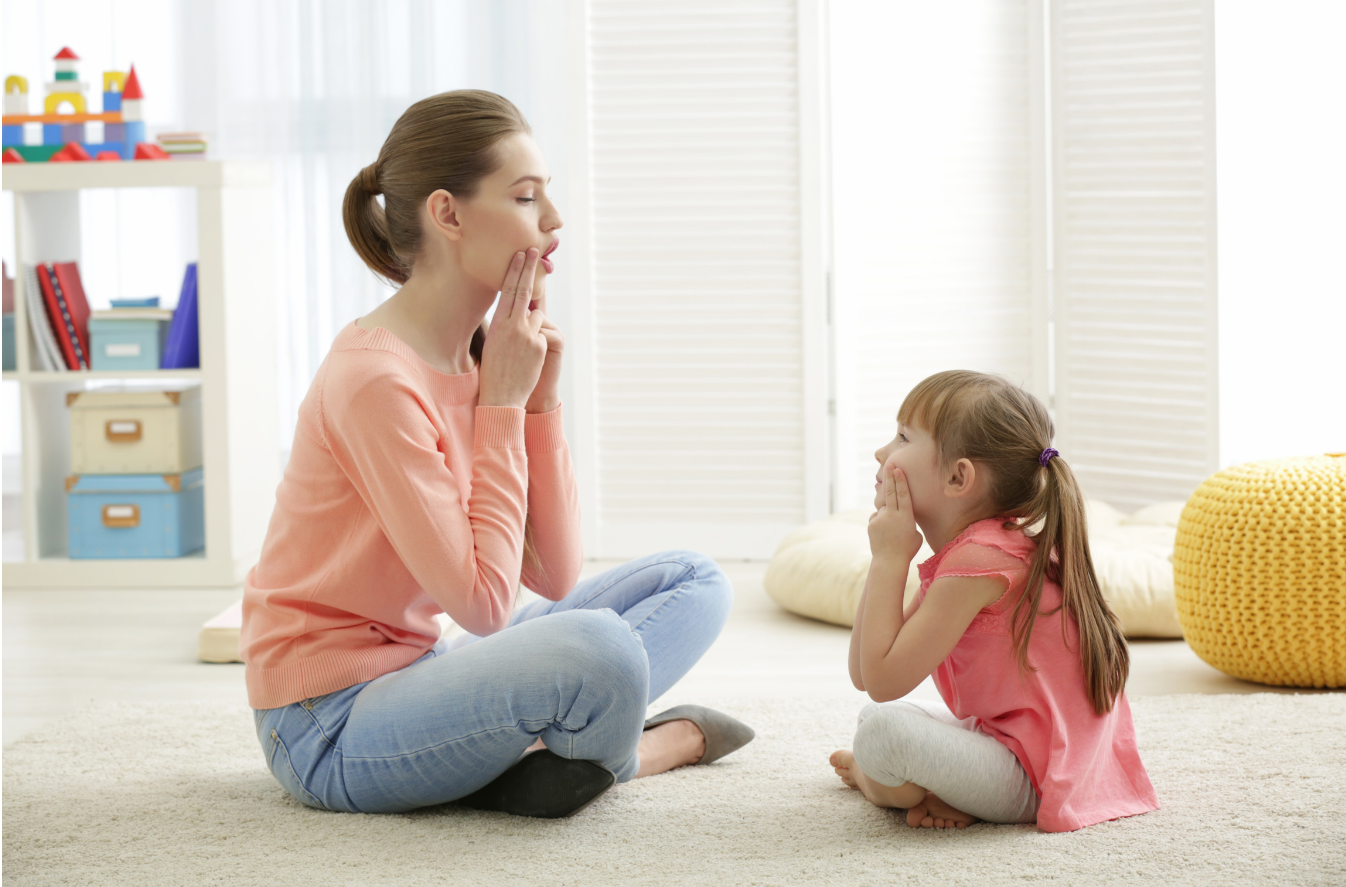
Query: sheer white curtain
(315, 86)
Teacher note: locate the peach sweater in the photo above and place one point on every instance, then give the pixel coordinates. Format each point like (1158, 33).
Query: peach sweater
(402, 499)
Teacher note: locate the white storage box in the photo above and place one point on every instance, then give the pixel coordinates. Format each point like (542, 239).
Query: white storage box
(135, 430)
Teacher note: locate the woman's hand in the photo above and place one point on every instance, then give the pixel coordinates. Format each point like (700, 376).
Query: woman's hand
(515, 348)
(546, 394)
(893, 536)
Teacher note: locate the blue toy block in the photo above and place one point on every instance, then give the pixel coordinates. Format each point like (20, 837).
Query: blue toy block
(13, 134)
(114, 132)
(51, 134)
(112, 101)
(135, 133)
(72, 132)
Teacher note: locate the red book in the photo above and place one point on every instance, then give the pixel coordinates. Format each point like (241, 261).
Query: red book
(68, 311)
(67, 274)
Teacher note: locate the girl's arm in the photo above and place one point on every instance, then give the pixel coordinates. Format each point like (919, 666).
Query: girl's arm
(553, 508)
(896, 655)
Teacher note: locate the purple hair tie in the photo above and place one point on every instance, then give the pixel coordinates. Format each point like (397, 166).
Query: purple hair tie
(1047, 456)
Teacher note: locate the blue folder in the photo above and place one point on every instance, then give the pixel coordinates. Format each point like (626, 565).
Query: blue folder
(183, 348)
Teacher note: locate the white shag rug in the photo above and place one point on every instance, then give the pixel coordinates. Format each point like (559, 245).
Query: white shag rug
(1253, 790)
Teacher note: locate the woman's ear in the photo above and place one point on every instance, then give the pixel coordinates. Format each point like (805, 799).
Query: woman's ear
(442, 209)
(959, 480)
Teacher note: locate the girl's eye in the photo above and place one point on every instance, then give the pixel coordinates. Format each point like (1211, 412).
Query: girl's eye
(903, 438)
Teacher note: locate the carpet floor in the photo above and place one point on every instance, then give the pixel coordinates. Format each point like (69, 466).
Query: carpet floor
(1253, 790)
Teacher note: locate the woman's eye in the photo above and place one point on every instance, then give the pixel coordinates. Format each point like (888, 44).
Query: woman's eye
(526, 199)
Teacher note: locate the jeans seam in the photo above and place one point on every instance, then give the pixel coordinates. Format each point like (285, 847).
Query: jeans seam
(297, 781)
(438, 745)
(316, 723)
(672, 560)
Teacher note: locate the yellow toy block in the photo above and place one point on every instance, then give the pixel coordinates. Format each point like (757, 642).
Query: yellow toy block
(113, 79)
(16, 84)
(56, 99)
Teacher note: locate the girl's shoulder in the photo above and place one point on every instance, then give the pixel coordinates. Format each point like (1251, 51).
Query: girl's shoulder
(984, 548)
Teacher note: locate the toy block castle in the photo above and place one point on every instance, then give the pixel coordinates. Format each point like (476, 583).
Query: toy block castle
(65, 114)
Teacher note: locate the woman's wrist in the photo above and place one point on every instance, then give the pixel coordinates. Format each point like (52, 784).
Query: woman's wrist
(542, 404)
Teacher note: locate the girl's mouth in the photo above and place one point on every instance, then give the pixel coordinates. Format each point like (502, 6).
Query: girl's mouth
(546, 262)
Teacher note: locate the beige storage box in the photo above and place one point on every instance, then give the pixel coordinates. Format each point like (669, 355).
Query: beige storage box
(135, 430)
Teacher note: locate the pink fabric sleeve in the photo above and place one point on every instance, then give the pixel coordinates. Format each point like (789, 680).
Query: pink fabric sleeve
(974, 559)
(553, 508)
(381, 434)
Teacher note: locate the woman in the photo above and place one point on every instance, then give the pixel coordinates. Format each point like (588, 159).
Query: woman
(430, 473)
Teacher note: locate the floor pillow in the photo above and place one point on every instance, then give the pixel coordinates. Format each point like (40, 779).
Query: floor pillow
(819, 570)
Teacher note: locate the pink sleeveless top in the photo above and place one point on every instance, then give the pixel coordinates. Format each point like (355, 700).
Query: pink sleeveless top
(1085, 766)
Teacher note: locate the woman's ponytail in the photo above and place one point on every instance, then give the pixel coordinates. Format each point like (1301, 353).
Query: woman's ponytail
(1063, 555)
(367, 227)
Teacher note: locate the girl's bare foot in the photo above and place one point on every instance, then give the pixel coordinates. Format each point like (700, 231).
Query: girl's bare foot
(906, 795)
(934, 813)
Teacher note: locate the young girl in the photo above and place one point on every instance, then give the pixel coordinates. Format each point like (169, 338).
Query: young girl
(1010, 619)
(430, 473)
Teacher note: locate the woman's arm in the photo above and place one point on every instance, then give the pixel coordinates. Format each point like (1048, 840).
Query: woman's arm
(553, 508)
(379, 429)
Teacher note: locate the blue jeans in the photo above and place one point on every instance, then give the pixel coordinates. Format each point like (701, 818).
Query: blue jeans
(577, 673)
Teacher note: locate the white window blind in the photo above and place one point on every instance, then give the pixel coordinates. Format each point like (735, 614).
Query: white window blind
(1134, 246)
(938, 208)
(696, 299)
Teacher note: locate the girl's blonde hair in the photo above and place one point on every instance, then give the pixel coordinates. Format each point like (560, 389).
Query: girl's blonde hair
(1007, 433)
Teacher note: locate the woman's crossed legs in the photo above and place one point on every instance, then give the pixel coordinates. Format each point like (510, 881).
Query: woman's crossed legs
(576, 674)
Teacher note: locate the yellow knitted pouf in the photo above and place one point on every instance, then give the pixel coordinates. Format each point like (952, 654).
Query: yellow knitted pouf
(1259, 571)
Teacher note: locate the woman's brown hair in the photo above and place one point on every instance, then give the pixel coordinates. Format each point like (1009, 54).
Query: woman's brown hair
(1007, 432)
(447, 141)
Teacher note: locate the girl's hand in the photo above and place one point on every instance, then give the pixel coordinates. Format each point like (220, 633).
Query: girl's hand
(546, 394)
(893, 536)
(515, 347)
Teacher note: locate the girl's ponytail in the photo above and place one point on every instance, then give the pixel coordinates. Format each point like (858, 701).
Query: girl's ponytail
(1063, 556)
(367, 227)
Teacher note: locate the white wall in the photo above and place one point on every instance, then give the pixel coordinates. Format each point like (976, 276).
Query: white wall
(1281, 140)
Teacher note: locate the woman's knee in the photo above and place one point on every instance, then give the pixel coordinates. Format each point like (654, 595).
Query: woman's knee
(709, 581)
(600, 645)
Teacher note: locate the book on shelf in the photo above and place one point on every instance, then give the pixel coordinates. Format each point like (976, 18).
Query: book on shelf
(49, 357)
(183, 348)
(67, 310)
(183, 145)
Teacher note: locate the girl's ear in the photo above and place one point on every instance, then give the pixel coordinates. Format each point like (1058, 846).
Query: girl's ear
(960, 478)
(442, 209)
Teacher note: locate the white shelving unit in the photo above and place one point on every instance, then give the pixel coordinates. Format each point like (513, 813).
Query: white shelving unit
(237, 375)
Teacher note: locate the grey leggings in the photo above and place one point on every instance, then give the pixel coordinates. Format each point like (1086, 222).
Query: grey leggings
(897, 742)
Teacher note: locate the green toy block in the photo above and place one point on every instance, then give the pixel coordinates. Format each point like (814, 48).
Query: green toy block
(36, 153)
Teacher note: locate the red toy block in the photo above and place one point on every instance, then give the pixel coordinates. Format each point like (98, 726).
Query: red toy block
(150, 151)
(73, 151)
(108, 155)
(12, 156)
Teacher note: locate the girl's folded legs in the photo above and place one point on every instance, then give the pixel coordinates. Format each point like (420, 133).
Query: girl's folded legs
(945, 773)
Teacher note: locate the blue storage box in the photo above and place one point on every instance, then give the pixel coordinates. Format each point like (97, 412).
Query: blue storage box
(127, 344)
(136, 515)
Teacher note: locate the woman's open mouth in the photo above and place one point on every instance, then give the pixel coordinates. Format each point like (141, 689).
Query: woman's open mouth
(546, 262)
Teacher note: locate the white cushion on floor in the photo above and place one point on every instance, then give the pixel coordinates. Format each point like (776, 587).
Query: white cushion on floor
(819, 570)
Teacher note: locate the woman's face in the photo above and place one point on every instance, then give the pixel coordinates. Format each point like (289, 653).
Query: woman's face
(510, 213)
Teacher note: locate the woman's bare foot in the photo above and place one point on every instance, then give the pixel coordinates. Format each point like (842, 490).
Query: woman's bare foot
(906, 795)
(934, 813)
(674, 744)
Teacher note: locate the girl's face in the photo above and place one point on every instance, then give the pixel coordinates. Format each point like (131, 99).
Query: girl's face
(913, 451)
(510, 213)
